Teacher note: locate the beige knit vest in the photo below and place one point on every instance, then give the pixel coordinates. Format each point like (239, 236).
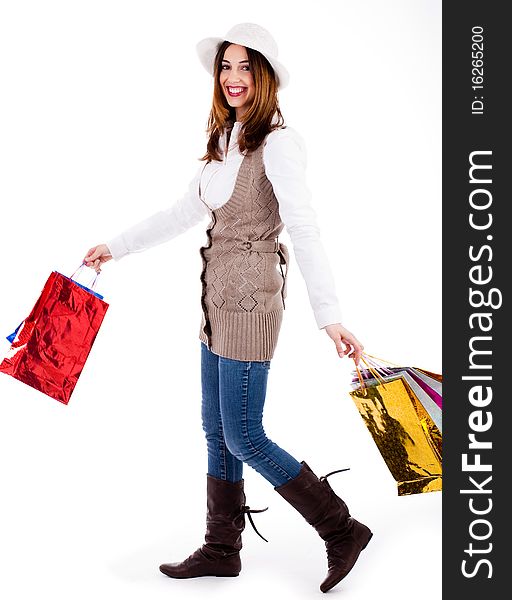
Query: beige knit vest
(243, 283)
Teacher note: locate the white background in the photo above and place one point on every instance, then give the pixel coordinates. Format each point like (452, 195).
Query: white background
(103, 109)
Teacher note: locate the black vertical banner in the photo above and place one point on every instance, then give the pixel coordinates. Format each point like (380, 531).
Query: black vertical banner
(477, 169)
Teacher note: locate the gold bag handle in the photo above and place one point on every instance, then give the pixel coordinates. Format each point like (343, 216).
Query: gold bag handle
(372, 371)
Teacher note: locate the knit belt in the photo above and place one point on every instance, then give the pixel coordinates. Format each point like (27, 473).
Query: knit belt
(267, 246)
(270, 246)
(260, 245)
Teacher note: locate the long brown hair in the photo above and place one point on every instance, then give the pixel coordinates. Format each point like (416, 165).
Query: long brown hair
(257, 121)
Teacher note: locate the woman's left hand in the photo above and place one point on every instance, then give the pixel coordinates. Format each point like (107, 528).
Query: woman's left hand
(340, 336)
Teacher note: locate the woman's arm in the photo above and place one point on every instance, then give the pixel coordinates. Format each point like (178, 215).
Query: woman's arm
(163, 225)
(284, 157)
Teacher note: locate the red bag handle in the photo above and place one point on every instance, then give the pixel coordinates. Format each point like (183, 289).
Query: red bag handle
(80, 267)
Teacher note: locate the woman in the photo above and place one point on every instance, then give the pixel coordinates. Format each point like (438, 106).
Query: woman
(251, 183)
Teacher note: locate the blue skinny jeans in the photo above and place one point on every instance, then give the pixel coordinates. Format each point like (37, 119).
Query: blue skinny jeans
(233, 396)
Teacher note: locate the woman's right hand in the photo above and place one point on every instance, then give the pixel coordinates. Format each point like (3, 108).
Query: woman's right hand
(96, 256)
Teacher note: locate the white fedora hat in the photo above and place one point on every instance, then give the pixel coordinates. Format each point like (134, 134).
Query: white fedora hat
(249, 35)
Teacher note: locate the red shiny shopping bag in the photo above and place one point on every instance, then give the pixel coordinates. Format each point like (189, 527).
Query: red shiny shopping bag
(50, 347)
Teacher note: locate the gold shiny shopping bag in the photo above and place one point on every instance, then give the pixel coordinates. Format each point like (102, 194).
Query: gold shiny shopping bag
(404, 433)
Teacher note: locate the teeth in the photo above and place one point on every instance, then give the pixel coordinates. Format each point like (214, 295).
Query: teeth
(237, 90)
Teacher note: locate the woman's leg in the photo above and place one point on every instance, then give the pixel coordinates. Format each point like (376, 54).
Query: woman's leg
(221, 463)
(242, 391)
(225, 497)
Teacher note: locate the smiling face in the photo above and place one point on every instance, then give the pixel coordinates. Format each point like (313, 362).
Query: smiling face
(236, 79)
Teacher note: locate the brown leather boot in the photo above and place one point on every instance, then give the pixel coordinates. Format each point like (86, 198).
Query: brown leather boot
(225, 521)
(344, 537)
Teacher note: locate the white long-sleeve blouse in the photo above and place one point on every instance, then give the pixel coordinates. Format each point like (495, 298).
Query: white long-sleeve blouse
(284, 157)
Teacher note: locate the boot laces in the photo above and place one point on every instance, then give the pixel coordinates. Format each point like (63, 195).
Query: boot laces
(247, 510)
(324, 477)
